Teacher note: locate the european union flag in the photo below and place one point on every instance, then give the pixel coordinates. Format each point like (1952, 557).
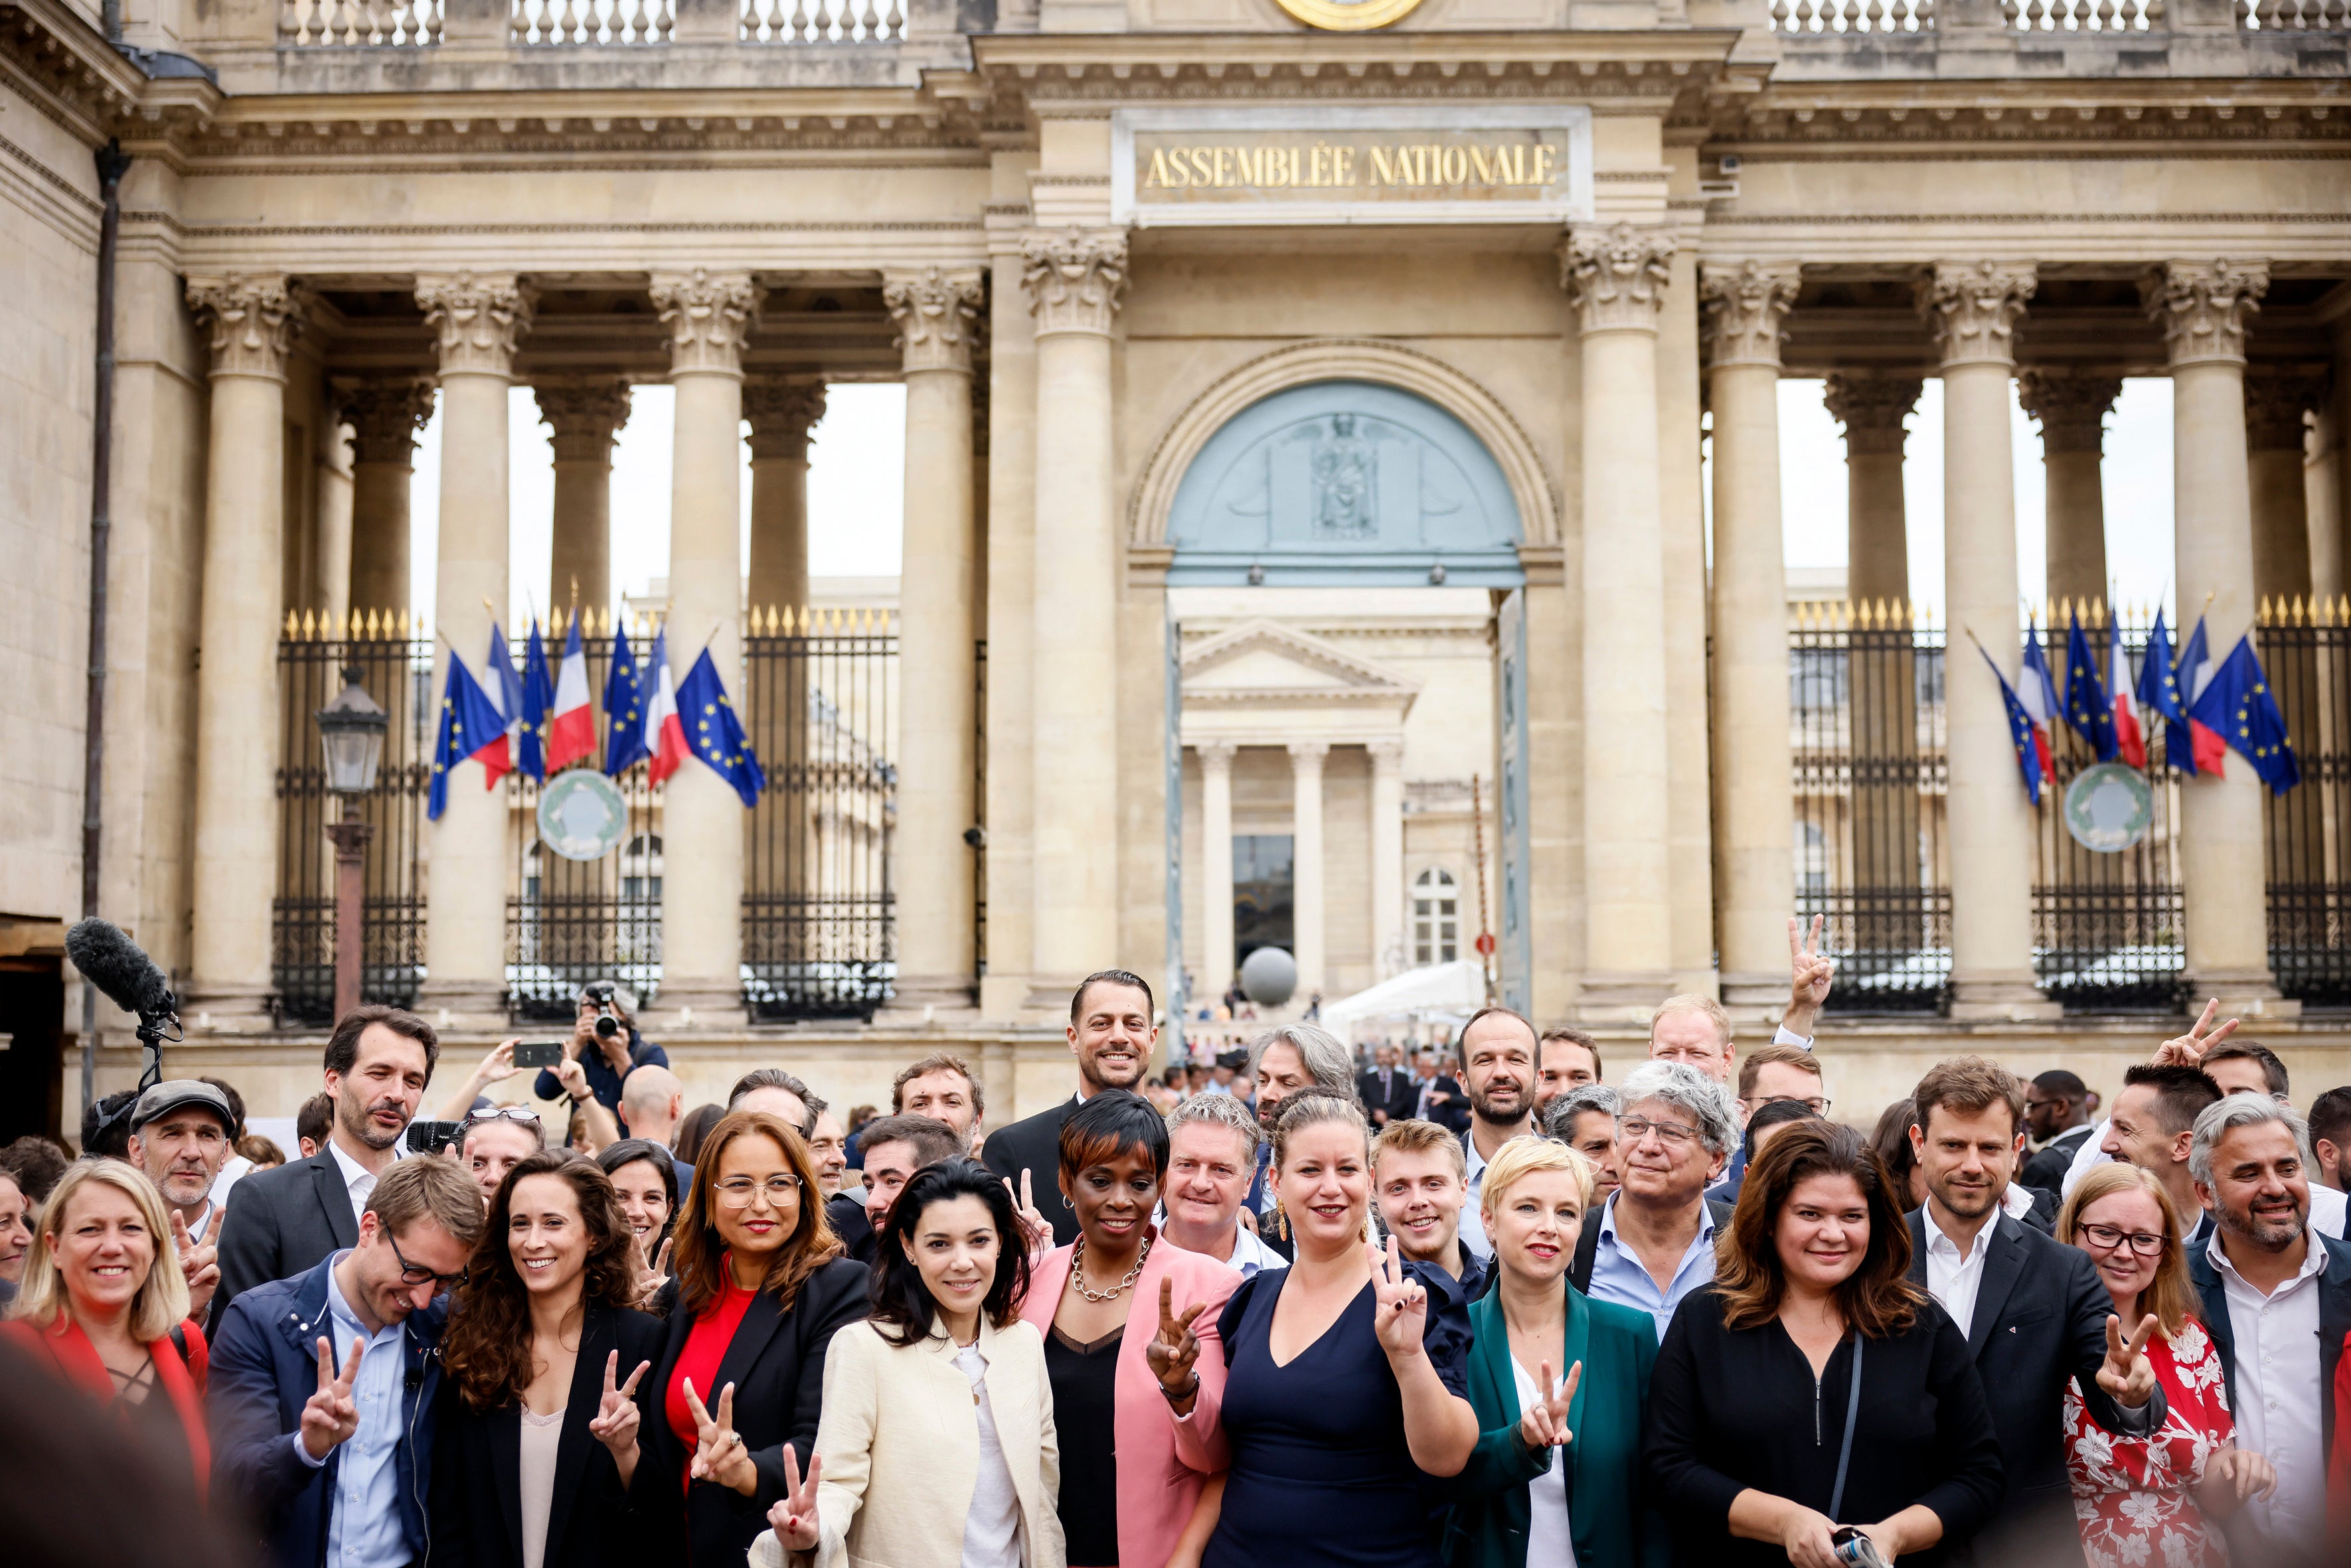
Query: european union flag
(470, 724)
(2236, 704)
(2020, 731)
(538, 699)
(714, 732)
(2159, 682)
(624, 703)
(2088, 708)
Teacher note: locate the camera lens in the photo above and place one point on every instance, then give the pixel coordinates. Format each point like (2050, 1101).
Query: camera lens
(607, 1026)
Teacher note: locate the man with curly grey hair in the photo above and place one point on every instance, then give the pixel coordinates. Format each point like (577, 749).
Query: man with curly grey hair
(1283, 1061)
(1653, 1243)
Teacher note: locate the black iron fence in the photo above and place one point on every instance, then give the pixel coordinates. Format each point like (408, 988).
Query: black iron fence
(2306, 652)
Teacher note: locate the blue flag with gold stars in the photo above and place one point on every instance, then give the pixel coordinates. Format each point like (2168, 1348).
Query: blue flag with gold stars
(2158, 694)
(2237, 705)
(2088, 709)
(2020, 732)
(538, 698)
(624, 698)
(715, 733)
(471, 726)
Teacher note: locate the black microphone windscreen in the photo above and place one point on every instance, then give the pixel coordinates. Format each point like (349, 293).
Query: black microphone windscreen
(118, 967)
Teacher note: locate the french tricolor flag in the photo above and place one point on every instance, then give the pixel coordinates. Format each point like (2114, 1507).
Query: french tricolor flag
(571, 734)
(2128, 736)
(665, 732)
(2196, 667)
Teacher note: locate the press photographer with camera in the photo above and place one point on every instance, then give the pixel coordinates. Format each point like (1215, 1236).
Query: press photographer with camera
(605, 1043)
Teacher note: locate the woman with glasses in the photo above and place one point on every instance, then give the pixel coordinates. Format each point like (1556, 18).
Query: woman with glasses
(533, 1459)
(761, 1287)
(2152, 1500)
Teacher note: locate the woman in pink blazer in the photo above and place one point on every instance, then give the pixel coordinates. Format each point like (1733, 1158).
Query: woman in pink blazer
(1124, 1316)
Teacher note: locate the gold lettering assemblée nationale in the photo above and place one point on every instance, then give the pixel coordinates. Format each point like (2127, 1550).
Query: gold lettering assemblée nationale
(1434, 166)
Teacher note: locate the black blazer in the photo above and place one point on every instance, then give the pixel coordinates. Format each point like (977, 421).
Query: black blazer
(1587, 1245)
(1454, 1115)
(775, 1362)
(1398, 1099)
(2334, 1324)
(2040, 1320)
(1034, 1145)
(2045, 1169)
(478, 1465)
(845, 1213)
(281, 1223)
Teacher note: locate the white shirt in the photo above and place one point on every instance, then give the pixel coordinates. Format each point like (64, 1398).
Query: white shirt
(363, 1528)
(991, 1530)
(1250, 1256)
(233, 1169)
(1951, 1279)
(1473, 1222)
(1551, 1543)
(2278, 1398)
(358, 1180)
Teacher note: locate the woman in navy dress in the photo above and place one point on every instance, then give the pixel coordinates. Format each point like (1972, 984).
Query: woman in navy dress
(1348, 1371)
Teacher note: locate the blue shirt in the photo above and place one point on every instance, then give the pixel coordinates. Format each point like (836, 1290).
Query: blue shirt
(363, 1526)
(602, 1082)
(1618, 1275)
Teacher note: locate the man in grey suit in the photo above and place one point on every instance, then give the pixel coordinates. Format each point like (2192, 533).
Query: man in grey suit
(283, 1222)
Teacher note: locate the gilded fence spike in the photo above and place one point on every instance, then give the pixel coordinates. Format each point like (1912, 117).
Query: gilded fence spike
(2099, 610)
(2262, 614)
(2297, 610)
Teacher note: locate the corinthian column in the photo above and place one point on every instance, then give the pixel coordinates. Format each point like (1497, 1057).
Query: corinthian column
(478, 320)
(781, 410)
(2275, 434)
(708, 318)
(1388, 956)
(252, 317)
(385, 416)
(1755, 798)
(1616, 276)
(1215, 865)
(2073, 411)
(935, 312)
(585, 413)
(1309, 913)
(2202, 308)
(1877, 545)
(1074, 278)
(1972, 309)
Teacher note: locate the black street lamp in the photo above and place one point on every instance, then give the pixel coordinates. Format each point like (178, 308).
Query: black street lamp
(350, 736)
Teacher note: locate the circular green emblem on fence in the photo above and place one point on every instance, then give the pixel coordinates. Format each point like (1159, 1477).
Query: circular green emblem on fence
(2108, 808)
(581, 816)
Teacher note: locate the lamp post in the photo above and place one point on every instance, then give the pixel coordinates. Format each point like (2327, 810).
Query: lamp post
(351, 735)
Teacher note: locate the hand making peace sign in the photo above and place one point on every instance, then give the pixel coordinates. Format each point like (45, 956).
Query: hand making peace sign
(1034, 1227)
(2127, 1375)
(2187, 1050)
(331, 1416)
(1400, 1314)
(200, 1265)
(1544, 1426)
(719, 1454)
(793, 1519)
(1176, 1350)
(1810, 972)
(615, 1422)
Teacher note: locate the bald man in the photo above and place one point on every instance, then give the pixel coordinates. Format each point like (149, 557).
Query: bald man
(652, 1103)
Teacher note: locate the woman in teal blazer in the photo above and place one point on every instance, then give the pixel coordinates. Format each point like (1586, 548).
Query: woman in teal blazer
(1562, 1463)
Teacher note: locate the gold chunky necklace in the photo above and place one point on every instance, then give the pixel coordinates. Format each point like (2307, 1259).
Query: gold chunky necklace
(1078, 1273)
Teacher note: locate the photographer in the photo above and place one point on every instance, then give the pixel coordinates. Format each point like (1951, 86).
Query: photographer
(605, 1043)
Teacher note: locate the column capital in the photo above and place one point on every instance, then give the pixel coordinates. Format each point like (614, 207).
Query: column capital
(782, 410)
(708, 315)
(936, 312)
(2072, 408)
(2203, 306)
(478, 319)
(255, 319)
(1744, 305)
(2276, 398)
(1387, 753)
(1216, 756)
(1074, 277)
(385, 413)
(1308, 754)
(585, 413)
(1616, 275)
(1872, 408)
(1972, 308)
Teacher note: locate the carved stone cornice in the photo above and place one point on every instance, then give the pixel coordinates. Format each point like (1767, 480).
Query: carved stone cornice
(255, 317)
(2072, 409)
(937, 313)
(1744, 306)
(2203, 306)
(1872, 408)
(585, 413)
(782, 409)
(1616, 275)
(1074, 277)
(1972, 308)
(2276, 398)
(477, 319)
(385, 415)
(708, 315)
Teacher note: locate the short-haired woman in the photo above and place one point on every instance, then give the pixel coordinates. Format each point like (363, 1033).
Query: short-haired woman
(533, 1459)
(2152, 1500)
(937, 1408)
(1125, 1319)
(1345, 1372)
(1812, 1388)
(102, 1301)
(761, 1288)
(1557, 1381)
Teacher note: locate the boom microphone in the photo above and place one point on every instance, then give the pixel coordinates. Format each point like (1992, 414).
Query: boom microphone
(118, 968)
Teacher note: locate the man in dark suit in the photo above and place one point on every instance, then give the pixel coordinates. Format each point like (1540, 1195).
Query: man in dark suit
(2034, 1312)
(281, 1222)
(1112, 1035)
(1436, 1097)
(2057, 1114)
(1386, 1091)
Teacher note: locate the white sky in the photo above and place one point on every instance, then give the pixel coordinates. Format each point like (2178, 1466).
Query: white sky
(857, 476)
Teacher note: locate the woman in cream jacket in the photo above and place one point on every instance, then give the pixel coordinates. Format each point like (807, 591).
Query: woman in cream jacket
(938, 1407)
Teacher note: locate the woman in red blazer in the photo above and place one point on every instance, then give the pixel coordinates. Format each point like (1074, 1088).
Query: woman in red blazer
(104, 1300)
(1124, 1314)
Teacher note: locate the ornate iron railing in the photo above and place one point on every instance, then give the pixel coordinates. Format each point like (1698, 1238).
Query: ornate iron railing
(2306, 652)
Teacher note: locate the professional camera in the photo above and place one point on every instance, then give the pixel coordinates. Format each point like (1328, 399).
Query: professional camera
(608, 1021)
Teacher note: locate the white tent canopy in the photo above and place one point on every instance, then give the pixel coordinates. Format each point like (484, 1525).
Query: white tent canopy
(1446, 990)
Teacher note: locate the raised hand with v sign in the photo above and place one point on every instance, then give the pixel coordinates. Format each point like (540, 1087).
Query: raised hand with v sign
(1175, 1352)
(793, 1519)
(1544, 1425)
(614, 1424)
(719, 1456)
(2127, 1375)
(331, 1416)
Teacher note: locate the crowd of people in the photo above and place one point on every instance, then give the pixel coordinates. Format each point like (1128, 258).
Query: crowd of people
(1291, 1309)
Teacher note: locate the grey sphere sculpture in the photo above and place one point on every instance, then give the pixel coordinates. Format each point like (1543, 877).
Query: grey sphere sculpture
(1269, 976)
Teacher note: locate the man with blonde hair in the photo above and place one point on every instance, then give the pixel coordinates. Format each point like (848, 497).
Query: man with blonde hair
(1420, 1181)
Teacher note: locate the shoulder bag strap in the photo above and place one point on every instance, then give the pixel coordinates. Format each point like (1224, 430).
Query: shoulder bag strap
(1851, 1415)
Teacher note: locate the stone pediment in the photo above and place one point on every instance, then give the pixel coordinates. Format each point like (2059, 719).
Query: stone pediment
(1265, 662)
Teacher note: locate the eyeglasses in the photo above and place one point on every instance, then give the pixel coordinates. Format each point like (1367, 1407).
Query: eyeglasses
(522, 1113)
(415, 1274)
(1673, 1134)
(2106, 1238)
(737, 1192)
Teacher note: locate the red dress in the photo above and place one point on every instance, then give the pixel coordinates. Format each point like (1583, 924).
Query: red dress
(2135, 1497)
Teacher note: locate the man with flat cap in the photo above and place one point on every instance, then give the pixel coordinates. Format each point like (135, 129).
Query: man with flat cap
(181, 1132)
